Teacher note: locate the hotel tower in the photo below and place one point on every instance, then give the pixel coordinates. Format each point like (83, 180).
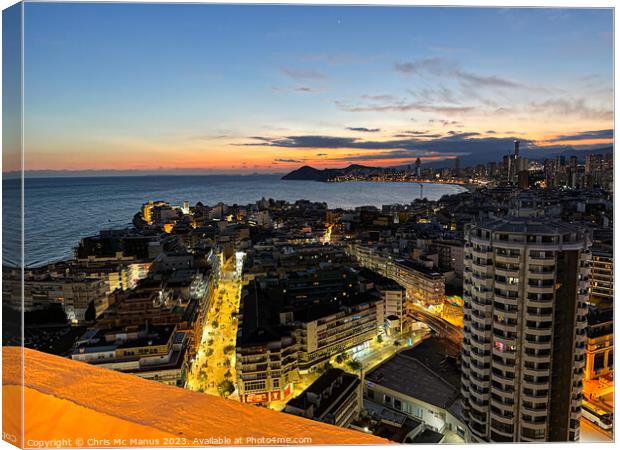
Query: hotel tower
(525, 293)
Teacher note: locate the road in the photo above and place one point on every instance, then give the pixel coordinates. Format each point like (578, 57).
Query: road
(591, 433)
(213, 370)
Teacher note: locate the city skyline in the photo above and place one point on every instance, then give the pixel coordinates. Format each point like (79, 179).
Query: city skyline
(242, 89)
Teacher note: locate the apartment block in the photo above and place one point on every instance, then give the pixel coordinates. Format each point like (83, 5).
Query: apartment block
(526, 283)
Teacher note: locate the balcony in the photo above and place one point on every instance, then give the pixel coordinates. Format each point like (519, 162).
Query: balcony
(536, 358)
(505, 272)
(535, 275)
(481, 305)
(504, 286)
(539, 331)
(543, 260)
(540, 289)
(507, 259)
(508, 301)
(538, 317)
(76, 401)
(503, 419)
(538, 345)
(505, 327)
(534, 411)
(481, 343)
(498, 363)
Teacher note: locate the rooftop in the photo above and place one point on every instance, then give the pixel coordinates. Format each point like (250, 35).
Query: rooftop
(124, 406)
(546, 225)
(425, 374)
(419, 267)
(378, 280)
(428, 436)
(348, 383)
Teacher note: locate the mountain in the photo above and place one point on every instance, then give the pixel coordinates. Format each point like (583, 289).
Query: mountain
(308, 173)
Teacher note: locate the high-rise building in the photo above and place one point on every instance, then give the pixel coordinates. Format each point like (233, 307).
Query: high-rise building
(491, 168)
(417, 168)
(525, 293)
(524, 181)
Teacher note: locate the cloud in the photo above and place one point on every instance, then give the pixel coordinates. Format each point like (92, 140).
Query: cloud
(435, 66)
(455, 134)
(281, 160)
(302, 89)
(450, 144)
(405, 134)
(379, 98)
(441, 67)
(446, 122)
(490, 80)
(306, 89)
(440, 93)
(585, 135)
(307, 141)
(570, 107)
(394, 155)
(471, 147)
(364, 129)
(303, 74)
(404, 106)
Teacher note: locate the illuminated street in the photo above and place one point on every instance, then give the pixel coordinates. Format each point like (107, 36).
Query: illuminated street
(213, 370)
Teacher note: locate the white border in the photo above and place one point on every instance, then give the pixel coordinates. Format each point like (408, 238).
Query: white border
(462, 3)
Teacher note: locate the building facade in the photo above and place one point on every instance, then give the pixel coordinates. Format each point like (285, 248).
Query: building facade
(525, 291)
(335, 398)
(600, 344)
(266, 368)
(322, 334)
(155, 353)
(602, 277)
(423, 285)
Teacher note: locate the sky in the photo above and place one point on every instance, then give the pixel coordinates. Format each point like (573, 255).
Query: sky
(226, 88)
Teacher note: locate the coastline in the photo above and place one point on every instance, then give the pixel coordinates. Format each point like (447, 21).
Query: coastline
(469, 186)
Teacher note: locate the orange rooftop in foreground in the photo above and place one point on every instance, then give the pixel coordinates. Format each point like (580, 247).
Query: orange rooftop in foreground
(73, 404)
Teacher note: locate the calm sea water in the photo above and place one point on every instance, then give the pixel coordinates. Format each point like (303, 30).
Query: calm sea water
(60, 211)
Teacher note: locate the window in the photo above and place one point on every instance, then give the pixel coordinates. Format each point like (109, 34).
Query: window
(599, 361)
(387, 399)
(255, 385)
(535, 433)
(504, 427)
(397, 404)
(370, 394)
(418, 412)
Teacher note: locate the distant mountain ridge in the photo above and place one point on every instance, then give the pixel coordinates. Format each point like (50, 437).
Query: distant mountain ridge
(308, 173)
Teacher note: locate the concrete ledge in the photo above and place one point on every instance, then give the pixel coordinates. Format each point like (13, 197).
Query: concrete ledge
(90, 406)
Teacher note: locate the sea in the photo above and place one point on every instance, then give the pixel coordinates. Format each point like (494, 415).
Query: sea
(61, 211)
